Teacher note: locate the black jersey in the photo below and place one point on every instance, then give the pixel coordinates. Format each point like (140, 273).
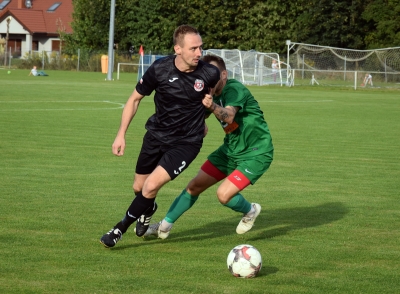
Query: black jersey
(178, 96)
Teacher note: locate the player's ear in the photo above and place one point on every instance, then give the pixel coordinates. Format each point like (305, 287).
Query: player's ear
(224, 75)
(177, 49)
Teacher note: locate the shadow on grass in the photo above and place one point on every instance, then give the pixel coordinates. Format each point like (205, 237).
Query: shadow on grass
(267, 270)
(269, 224)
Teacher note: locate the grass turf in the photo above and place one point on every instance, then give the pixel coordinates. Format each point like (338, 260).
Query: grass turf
(330, 199)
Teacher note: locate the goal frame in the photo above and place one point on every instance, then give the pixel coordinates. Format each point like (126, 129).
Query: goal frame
(383, 63)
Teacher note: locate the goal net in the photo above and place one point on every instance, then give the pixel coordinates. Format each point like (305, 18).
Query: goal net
(139, 68)
(248, 67)
(252, 67)
(314, 64)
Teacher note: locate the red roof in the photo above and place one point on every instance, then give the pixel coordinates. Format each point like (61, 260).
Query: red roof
(37, 19)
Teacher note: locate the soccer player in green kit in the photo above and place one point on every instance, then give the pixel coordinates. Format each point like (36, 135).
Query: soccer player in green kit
(244, 157)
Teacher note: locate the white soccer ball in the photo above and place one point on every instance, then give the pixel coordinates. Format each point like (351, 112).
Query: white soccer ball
(244, 261)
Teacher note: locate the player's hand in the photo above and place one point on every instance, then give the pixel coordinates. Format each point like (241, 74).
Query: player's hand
(118, 146)
(207, 101)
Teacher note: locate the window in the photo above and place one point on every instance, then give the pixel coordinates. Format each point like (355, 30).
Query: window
(35, 45)
(55, 45)
(4, 4)
(54, 7)
(15, 46)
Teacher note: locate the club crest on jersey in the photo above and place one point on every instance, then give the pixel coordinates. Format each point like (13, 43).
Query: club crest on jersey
(199, 85)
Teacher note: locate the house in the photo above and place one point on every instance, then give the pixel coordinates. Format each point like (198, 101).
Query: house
(34, 25)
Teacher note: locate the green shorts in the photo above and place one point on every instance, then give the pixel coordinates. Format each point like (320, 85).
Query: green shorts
(253, 168)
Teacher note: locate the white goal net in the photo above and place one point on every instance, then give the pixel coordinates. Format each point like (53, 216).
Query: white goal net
(139, 68)
(248, 67)
(252, 67)
(314, 64)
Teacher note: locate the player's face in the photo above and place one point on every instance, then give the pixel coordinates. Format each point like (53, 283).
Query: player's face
(190, 51)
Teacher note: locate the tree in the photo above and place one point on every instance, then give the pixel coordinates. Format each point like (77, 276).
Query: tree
(90, 24)
(384, 19)
(216, 21)
(330, 23)
(151, 24)
(264, 26)
(237, 24)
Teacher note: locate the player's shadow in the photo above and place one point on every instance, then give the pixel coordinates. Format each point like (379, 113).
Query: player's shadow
(269, 224)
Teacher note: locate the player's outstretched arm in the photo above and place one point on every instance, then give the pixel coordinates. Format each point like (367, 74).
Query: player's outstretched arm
(225, 114)
(128, 113)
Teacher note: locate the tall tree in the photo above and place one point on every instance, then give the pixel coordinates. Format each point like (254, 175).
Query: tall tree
(264, 26)
(384, 19)
(216, 21)
(151, 24)
(330, 23)
(90, 24)
(238, 24)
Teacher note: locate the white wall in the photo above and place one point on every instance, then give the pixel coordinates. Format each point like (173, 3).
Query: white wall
(17, 28)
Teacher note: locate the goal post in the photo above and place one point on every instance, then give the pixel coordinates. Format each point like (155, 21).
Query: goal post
(252, 67)
(248, 67)
(338, 66)
(133, 65)
(141, 67)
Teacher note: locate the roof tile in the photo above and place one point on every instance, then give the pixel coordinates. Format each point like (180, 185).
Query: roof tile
(37, 19)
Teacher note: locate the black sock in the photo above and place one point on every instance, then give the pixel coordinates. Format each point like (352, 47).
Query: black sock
(124, 224)
(138, 206)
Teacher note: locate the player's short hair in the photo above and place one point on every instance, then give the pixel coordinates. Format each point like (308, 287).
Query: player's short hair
(218, 60)
(181, 31)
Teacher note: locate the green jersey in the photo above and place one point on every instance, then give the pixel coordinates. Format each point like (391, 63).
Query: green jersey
(252, 137)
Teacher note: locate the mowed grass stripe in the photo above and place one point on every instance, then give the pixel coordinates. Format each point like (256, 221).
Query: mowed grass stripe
(330, 199)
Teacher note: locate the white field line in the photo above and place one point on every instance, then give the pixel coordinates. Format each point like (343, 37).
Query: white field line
(120, 105)
(296, 101)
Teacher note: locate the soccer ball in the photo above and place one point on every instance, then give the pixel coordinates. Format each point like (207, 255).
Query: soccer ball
(244, 261)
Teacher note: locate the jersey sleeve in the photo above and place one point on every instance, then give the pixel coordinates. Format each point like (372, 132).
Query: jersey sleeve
(148, 82)
(215, 77)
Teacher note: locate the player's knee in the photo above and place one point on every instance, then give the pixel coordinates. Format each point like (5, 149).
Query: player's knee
(194, 187)
(223, 197)
(150, 189)
(223, 200)
(137, 186)
(193, 190)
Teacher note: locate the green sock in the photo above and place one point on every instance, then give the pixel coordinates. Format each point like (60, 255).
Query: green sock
(181, 203)
(239, 204)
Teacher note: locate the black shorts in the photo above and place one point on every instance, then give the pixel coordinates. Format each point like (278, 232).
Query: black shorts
(174, 158)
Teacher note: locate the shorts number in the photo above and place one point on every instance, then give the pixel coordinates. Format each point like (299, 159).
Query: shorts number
(180, 168)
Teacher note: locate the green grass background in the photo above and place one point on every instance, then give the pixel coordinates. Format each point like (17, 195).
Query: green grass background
(330, 218)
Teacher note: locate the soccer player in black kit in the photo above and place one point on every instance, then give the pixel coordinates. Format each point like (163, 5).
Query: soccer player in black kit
(174, 133)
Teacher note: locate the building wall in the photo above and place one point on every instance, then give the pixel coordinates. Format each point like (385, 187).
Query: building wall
(21, 40)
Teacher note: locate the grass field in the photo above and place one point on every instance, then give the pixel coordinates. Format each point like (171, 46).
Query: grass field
(331, 209)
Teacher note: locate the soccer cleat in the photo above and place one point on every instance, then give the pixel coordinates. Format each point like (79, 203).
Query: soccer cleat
(143, 221)
(247, 221)
(111, 238)
(154, 230)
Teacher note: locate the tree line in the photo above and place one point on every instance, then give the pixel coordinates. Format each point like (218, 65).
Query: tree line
(248, 24)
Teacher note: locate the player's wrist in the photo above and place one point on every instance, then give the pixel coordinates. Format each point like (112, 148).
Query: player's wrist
(212, 107)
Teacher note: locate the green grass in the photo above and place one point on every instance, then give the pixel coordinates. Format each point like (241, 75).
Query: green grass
(330, 219)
